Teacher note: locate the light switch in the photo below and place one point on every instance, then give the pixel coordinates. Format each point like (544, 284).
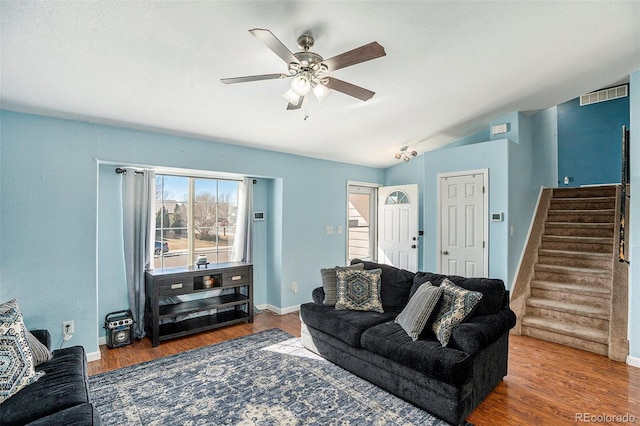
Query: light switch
(339, 229)
(329, 230)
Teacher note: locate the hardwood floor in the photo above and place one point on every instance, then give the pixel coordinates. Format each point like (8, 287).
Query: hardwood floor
(547, 384)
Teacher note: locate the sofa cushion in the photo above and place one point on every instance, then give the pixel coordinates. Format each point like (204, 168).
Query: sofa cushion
(457, 304)
(416, 314)
(79, 415)
(347, 326)
(395, 285)
(492, 289)
(17, 368)
(330, 283)
(63, 386)
(390, 341)
(480, 331)
(359, 290)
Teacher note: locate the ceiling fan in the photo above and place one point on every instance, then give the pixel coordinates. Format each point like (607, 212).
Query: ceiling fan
(309, 70)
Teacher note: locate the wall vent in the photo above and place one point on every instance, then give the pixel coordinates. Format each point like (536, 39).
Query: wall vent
(604, 95)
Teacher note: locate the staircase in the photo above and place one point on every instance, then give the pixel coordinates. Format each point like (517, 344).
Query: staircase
(568, 296)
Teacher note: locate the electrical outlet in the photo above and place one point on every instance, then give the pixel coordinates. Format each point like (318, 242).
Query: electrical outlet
(294, 287)
(68, 327)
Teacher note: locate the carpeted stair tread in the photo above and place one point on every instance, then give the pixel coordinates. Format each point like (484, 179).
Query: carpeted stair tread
(573, 330)
(585, 289)
(596, 225)
(559, 269)
(600, 191)
(598, 212)
(574, 239)
(569, 308)
(575, 254)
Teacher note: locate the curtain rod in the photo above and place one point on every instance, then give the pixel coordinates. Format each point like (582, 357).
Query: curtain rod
(122, 171)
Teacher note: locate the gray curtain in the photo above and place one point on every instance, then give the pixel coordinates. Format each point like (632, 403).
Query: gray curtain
(241, 251)
(138, 199)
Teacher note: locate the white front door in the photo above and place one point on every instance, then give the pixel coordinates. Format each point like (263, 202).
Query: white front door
(398, 226)
(463, 220)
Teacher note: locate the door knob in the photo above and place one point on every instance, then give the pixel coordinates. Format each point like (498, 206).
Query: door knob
(414, 246)
(445, 252)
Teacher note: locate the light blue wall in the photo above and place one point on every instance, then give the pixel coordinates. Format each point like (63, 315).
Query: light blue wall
(634, 252)
(492, 155)
(49, 207)
(58, 259)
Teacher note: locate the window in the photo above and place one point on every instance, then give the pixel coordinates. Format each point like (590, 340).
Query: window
(362, 223)
(397, 197)
(194, 216)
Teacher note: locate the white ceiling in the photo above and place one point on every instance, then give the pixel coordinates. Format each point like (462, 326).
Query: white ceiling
(450, 68)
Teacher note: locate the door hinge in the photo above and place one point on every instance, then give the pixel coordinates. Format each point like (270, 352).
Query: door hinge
(483, 189)
(483, 246)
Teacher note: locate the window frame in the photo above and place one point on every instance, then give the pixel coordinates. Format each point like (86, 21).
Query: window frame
(190, 227)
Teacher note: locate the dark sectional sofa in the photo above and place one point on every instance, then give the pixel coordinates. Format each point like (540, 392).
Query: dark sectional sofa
(448, 382)
(60, 397)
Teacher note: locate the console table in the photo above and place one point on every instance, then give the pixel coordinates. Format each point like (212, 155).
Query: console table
(167, 315)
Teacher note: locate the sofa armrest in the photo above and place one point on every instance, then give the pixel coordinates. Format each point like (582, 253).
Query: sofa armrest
(43, 336)
(318, 295)
(480, 331)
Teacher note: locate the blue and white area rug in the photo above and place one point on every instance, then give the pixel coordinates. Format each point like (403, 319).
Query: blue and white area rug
(266, 378)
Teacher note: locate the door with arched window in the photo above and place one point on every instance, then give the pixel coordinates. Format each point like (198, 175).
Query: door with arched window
(398, 226)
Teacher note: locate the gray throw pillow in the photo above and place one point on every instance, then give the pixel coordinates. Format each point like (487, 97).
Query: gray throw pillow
(359, 290)
(415, 315)
(39, 351)
(330, 282)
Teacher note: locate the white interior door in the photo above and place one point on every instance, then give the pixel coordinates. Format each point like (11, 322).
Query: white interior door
(463, 218)
(398, 226)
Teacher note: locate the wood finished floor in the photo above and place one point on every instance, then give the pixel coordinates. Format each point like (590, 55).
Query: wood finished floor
(547, 384)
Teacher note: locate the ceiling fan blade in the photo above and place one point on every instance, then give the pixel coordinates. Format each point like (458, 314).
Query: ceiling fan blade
(347, 88)
(364, 53)
(274, 44)
(252, 78)
(295, 106)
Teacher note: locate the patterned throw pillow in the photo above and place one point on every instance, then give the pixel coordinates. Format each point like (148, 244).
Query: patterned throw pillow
(330, 282)
(457, 304)
(415, 315)
(359, 290)
(16, 362)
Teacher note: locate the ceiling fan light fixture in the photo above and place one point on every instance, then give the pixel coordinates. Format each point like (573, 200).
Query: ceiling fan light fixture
(321, 91)
(301, 85)
(291, 97)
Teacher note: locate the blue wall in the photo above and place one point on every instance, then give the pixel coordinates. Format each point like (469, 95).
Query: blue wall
(59, 206)
(589, 141)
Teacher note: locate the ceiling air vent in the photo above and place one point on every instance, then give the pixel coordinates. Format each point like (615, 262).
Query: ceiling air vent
(604, 95)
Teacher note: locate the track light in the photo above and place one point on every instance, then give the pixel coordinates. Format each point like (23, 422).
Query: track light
(404, 156)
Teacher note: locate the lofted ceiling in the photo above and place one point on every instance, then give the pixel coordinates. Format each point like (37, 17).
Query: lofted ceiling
(450, 68)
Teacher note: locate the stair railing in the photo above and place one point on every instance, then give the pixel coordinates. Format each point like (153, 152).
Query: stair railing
(622, 257)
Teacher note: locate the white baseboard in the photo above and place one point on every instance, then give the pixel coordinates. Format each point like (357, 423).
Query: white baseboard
(102, 340)
(633, 361)
(93, 356)
(282, 311)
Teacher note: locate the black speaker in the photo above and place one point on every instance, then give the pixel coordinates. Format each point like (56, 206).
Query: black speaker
(119, 328)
